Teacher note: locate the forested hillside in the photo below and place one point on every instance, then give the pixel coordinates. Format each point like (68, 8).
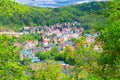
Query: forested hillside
(14, 15)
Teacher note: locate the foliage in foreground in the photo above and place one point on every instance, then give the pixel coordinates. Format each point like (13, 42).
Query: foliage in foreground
(88, 64)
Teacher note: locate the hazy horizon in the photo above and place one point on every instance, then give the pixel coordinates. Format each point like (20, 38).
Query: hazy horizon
(53, 3)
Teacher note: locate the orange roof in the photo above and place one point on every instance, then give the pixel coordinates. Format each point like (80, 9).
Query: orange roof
(30, 41)
(85, 42)
(62, 40)
(11, 30)
(45, 40)
(61, 65)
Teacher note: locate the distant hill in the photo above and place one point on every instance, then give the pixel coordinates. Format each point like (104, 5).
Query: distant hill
(14, 15)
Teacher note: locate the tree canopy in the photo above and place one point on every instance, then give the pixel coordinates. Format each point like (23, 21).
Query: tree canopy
(14, 15)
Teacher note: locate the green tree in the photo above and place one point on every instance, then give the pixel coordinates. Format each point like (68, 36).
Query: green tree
(51, 72)
(10, 67)
(110, 40)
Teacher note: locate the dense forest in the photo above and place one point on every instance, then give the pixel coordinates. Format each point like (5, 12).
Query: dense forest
(86, 64)
(15, 15)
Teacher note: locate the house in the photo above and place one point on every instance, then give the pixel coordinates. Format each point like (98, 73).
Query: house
(55, 40)
(35, 59)
(61, 40)
(96, 48)
(26, 54)
(17, 44)
(45, 42)
(86, 43)
(26, 28)
(36, 49)
(90, 39)
(30, 44)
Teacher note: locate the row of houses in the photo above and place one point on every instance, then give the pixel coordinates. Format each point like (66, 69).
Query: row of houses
(10, 33)
(39, 29)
